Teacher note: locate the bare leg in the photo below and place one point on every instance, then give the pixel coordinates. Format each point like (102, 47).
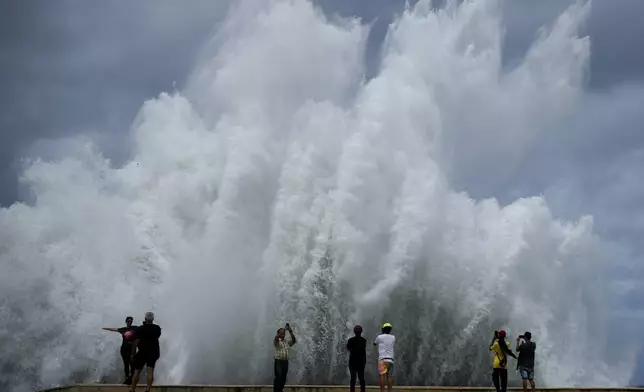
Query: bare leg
(135, 379)
(150, 371)
(382, 382)
(525, 385)
(390, 377)
(532, 384)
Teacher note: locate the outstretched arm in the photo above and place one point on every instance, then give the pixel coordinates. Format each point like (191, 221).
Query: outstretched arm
(510, 353)
(111, 329)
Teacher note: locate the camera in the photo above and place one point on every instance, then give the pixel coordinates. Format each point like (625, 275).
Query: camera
(521, 336)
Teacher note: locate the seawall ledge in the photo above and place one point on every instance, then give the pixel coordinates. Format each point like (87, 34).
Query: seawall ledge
(310, 388)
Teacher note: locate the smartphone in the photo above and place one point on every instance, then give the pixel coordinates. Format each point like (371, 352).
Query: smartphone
(287, 325)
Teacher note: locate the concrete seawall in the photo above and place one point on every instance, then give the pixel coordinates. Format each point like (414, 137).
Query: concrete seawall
(306, 388)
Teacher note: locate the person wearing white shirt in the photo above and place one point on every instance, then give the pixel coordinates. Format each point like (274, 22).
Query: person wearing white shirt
(385, 342)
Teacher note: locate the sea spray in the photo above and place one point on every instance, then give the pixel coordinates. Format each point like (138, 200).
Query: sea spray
(281, 186)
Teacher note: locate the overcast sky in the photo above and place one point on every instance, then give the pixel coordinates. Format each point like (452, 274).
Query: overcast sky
(70, 67)
(85, 67)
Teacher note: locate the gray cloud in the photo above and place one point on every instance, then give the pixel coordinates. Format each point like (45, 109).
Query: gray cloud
(71, 68)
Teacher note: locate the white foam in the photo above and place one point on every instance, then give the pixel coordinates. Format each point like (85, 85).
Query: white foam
(279, 153)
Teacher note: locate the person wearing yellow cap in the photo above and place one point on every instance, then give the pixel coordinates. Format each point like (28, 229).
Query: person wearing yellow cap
(385, 342)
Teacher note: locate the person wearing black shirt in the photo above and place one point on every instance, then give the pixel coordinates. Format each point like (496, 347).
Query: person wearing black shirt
(525, 364)
(145, 350)
(127, 333)
(357, 347)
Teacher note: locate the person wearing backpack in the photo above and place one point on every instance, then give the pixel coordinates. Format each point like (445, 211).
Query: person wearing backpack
(526, 348)
(500, 367)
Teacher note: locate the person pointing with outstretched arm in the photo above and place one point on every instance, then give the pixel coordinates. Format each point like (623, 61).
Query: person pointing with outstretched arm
(127, 333)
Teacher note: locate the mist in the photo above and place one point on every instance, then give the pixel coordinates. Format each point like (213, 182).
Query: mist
(450, 192)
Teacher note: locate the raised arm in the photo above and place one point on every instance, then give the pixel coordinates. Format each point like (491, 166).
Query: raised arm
(493, 340)
(293, 339)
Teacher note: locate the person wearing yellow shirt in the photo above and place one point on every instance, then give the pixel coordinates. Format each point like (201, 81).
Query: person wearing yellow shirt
(501, 352)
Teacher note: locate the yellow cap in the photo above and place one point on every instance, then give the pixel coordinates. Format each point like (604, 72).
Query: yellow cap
(385, 325)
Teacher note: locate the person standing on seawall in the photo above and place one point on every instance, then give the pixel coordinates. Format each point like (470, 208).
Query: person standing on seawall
(282, 347)
(145, 350)
(385, 342)
(357, 347)
(127, 333)
(525, 364)
(500, 366)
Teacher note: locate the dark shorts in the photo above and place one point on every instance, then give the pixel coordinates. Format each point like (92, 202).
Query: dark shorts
(527, 373)
(142, 359)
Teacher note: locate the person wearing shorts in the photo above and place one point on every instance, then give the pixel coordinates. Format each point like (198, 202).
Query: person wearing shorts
(145, 351)
(385, 342)
(526, 348)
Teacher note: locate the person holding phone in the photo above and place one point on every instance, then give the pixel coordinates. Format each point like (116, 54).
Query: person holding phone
(500, 367)
(281, 357)
(386, 342)
(526, 348)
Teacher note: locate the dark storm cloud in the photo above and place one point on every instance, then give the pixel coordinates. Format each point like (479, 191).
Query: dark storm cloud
(69, 67)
